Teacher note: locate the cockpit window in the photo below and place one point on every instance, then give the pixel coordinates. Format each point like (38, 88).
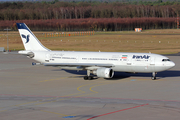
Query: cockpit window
(166, 60)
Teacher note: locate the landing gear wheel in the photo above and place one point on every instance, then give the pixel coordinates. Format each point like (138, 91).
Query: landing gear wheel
(85, 77)
(153, 78)
(90, 77)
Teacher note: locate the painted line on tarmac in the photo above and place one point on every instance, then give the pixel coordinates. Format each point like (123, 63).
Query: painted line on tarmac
(41, 101)
(54, 113)
(83, 86)
(117, 111)
(81, 91)
(3, 110)
(78, 88)
(97, 86)
(53, 99)
(64, 115)
(94, 92)
(55, 79)
(52, 79)
(88, 97)
(35, 101)
(25, 103)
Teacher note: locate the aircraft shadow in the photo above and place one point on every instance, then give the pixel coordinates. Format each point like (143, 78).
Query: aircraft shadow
(122, 75)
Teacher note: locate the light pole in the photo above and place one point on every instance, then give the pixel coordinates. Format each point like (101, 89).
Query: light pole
(7, 39)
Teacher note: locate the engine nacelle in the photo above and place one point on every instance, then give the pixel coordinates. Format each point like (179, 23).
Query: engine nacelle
(104, 72)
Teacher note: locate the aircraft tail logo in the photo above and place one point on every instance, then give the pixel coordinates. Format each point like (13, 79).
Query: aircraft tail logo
(27, 38)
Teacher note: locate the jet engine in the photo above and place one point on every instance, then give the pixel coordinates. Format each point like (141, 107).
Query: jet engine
(104, 72)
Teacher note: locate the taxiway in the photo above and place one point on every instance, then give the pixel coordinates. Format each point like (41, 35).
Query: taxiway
(43, 93)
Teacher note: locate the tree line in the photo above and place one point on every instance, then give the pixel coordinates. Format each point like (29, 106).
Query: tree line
(73, 16)
(66, 10)
(97, 24)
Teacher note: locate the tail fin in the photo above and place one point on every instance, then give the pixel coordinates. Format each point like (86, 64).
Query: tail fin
(29, 40)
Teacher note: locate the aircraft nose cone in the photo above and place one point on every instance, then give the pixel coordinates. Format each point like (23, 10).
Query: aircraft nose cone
(173, 64)
(170, 65)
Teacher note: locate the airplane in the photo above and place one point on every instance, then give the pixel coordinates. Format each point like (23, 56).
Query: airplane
(101, 64)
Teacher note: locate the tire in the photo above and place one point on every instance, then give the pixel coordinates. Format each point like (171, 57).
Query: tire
(90, 77)
(86, 77)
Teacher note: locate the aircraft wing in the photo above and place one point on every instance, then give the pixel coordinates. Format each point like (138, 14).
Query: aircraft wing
(78, 64)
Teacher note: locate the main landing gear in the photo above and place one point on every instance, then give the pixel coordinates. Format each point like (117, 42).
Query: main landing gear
(88, 77)
(153, 76)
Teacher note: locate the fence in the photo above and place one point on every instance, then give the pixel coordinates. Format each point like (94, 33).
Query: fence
(66, 34)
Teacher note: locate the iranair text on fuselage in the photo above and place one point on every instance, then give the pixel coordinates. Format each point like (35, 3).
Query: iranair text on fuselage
(141, 56)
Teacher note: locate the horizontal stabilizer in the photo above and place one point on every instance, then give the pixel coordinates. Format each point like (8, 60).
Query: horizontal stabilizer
(27, 53)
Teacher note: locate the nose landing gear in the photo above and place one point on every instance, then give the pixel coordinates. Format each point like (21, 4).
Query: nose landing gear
(153, 76)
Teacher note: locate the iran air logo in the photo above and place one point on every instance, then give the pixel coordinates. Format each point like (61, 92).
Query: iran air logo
(26, 37)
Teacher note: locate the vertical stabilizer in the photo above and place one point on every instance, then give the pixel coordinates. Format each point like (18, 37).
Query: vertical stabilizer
(29, 40)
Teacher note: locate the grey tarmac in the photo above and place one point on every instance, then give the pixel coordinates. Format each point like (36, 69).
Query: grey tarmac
(48, 93)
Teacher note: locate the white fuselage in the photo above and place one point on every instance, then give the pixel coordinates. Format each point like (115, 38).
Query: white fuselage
(102, 64)
(123, 62)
